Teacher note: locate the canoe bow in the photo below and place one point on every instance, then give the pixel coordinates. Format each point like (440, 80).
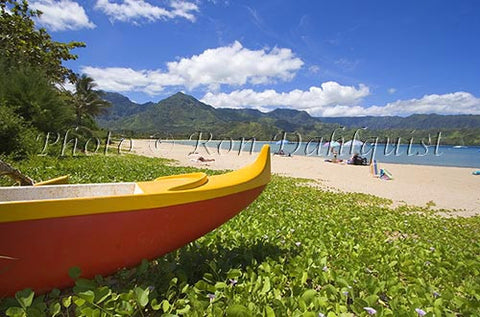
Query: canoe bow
(41, 239)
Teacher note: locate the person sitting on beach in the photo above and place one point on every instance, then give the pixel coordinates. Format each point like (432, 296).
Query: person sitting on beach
(356, 159)
(334, 159)
(353, 159)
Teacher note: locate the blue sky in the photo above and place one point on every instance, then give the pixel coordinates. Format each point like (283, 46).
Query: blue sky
(329, 58)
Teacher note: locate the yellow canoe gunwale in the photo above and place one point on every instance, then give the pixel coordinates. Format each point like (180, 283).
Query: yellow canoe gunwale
(162, 192)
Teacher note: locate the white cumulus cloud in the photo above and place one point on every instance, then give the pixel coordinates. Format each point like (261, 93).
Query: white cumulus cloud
(119, 79)
(334, 100)
(229, 65)
(137, 10)
(236, 65)
(62, 15)
(452, 103)
(318, 101)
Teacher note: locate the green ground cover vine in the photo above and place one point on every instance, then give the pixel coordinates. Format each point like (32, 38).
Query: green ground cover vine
(296, 251)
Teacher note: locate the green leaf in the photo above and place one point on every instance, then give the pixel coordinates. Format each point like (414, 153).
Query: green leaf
(371, 300)
(341, 282)
(234, 274)
(220, 285)
(102, 294)
(25, 297)
(330, 289)
(304, 277)
(173, 281)
(83, 284)
(209, 277)
(183, 310)
(438, 303)
(38, 303)
(35, 312)
(125, 308)
(55, 309)
(143, 267)
(201, 285)
(155, 304)
(90, 312)
(302, 305)
(67, 301)
(74, 272)
(88, 296)
(237, 310)
(309, 295)
(165, 306)
(79, 301)
(55, 293)
(16, 312)
(269, 312)
(266, 286)
(142, 296)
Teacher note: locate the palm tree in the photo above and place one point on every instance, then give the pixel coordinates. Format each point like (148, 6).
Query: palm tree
(87, 102)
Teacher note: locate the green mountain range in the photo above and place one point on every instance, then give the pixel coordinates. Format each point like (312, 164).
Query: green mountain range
(181, 115)
(415, 121)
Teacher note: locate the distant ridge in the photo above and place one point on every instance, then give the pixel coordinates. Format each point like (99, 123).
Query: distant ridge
(415, 121)
(182, 114)
(121, 106)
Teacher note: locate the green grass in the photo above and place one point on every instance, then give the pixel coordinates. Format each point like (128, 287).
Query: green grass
(296, 251)
(97, 168)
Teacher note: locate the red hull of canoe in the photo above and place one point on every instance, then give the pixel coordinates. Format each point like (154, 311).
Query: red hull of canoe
(43, 251)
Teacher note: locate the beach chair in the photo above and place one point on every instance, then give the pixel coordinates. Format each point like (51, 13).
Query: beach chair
(385, 174)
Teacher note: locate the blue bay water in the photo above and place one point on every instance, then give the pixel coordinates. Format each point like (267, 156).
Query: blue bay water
(445, 155)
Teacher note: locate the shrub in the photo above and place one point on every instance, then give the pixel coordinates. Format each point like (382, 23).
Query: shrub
(17, 136)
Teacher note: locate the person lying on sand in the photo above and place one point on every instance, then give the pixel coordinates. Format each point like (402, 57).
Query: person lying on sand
(282, 153)
(195, 157)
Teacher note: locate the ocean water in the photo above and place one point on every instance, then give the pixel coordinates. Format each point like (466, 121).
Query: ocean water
(443, 155)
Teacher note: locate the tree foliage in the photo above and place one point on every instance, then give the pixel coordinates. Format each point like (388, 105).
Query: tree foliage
(87, 102)
(17, 136)
(32, 96)
(29, 104)
(31, 71)
(23, 44)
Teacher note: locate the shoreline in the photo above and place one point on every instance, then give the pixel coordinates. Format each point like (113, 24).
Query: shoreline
(345, 154)
(450, 188)
(326, 140)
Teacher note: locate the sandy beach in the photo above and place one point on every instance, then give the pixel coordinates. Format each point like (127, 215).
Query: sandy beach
(451, 188)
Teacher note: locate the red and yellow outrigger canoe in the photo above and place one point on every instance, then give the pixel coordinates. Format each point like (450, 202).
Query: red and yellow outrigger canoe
(100, 228)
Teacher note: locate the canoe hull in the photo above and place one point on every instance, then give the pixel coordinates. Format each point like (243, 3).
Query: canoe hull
(38, 253)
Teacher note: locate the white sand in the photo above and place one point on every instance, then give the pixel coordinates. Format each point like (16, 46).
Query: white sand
(451, 188)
